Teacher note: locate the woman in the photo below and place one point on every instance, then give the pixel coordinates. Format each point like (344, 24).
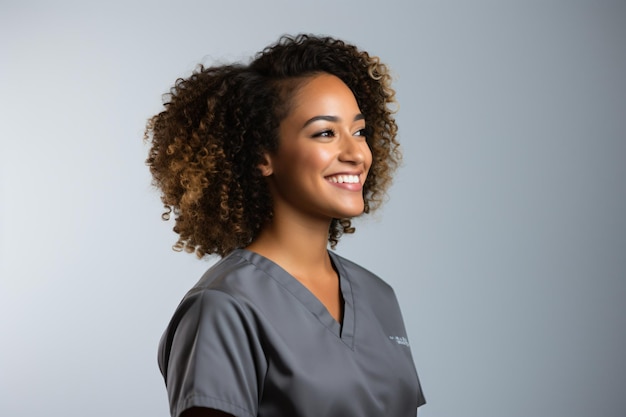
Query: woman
(265, 164)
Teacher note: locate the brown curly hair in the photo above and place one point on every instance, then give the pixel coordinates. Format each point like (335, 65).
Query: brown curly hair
(218, 123)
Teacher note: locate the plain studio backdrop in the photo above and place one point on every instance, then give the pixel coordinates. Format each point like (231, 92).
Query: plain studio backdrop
(504, 235)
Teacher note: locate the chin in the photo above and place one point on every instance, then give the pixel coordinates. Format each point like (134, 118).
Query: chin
(351, 212)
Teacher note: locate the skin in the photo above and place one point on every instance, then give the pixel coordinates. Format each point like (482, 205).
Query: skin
(320, 139)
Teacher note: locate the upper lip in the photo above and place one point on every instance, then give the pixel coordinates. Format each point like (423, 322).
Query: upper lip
(357, 173)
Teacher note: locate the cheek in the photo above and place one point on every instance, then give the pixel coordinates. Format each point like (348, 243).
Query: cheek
(318, 157)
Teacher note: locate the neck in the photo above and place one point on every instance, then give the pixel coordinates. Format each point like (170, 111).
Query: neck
(297, 245)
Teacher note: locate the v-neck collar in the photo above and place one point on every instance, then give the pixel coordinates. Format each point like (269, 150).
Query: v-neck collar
(345, 330)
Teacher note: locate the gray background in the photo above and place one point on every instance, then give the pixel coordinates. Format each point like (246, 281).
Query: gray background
(504, 235)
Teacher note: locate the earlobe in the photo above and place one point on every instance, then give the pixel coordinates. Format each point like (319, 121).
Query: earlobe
(266, 166)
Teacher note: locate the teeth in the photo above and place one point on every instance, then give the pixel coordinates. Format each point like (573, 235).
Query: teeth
(340, 179)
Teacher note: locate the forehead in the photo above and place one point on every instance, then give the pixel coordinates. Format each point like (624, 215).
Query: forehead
(323, 93)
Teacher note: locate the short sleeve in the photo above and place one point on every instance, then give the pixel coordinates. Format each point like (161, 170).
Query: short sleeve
(211, 356)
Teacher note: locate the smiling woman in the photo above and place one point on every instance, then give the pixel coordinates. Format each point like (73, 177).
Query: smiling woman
(322, 151)
(265, 164)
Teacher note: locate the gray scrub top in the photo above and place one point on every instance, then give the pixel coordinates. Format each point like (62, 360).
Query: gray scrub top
(249, 339)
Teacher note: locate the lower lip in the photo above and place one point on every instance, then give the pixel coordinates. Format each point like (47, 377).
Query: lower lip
(347, 185)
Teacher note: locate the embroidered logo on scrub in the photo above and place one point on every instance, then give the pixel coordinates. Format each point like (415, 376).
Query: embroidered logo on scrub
(400, 340)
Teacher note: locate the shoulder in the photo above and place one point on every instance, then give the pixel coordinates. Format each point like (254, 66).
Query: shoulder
(225, 289)
(372, 296)
(361, 276)
(231, 275)
(215, 311)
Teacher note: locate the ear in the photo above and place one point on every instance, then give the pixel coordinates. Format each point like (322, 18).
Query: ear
(266, 165)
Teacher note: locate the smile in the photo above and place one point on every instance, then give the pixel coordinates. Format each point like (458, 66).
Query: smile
(344, 179)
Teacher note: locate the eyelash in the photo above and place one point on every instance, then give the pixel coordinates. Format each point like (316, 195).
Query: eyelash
(327, 133)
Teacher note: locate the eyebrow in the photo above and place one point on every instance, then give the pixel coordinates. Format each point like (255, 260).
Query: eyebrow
(333, 119)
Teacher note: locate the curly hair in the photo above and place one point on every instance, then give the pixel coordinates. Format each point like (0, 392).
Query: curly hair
(218, 123)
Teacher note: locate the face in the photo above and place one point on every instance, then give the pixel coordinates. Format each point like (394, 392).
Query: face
(323, 158)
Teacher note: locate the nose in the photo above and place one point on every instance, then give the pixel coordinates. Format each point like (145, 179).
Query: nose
(354, 150)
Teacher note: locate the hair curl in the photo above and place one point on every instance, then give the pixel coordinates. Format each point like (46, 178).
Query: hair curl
(218, 123)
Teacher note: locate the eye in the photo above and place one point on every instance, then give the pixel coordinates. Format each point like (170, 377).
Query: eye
(361, 132)
(327, 133)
